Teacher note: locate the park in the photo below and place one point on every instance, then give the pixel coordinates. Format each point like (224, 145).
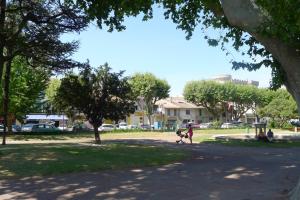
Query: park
(107, 100)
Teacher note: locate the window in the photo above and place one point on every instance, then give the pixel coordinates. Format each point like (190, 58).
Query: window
(175, 112)
(41, 126)
(187, 112)
(200, 112)
(169, 112)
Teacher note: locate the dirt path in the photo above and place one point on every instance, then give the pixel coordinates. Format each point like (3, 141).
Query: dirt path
(215, 172)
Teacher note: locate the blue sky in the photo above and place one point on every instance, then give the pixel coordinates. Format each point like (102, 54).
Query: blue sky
(156, 46)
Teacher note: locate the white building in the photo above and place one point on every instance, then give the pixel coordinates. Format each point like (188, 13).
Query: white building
(178, 110)
(228, 78)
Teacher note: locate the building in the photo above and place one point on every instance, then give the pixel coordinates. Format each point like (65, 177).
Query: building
(228, 79)
(139, 117)
(58, 120)
(176, 110)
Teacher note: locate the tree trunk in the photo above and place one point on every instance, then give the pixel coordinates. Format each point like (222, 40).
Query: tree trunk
(246, 15)
(97, 135)
(149, 118)
(6, 98)
(2, 36)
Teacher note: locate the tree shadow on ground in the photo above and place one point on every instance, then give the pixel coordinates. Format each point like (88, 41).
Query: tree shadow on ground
(284, 142)
(215, 172)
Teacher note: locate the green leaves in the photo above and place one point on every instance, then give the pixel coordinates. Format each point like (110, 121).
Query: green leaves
(215, 96)
(97, 93)
(280, 108)
(26, 87)
(150, 89)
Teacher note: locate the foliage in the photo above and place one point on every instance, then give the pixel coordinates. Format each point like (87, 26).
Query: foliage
(282, 23)
(280, 109)
(245, 98)
(52, 89)
(98, 94)
(209, 94)
(218, 98)
(150, 89)
(32, 30)
(216, 124)
(26, 89)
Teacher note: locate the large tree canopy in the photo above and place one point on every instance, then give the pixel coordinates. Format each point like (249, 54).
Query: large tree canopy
(281, 108)
(32, 30)
(98, 94)
(218, 98)
(149, 89)
(209, 94)
(267, 30)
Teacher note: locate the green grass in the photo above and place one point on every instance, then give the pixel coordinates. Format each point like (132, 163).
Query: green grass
(253, 143)
(50, 159)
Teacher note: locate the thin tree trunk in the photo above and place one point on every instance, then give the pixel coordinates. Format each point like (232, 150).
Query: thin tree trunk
(2, 36)
(6, 98)
(97, 135)
(149, 118)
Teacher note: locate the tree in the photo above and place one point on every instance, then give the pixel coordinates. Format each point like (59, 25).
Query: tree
(27, 86)
(150, 89)
(32, 30)
(244, 98)
(209, 94)
(281, 108)
(268, 30)
(98, 94)
(52, 88)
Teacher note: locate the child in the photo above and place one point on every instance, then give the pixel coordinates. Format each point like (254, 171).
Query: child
(190, 133)
(270, 135)
(178, 133)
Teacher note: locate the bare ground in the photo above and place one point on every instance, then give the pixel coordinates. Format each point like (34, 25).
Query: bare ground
(215, 172)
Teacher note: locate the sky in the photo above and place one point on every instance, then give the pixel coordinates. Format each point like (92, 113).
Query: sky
(156, 46)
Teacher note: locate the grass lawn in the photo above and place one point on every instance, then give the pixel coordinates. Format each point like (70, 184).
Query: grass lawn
(49, 159)
(254, 143)
(205, 133)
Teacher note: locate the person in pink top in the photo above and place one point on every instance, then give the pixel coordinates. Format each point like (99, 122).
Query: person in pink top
(190, 133)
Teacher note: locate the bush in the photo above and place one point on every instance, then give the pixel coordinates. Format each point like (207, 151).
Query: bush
(216, 124)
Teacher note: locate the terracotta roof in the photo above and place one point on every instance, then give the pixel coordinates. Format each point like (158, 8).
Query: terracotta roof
(176, 102)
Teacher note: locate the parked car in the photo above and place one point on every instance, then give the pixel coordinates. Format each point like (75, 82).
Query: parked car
(106, 127)
(132, 126)
(295, 122)
(123, 125)
(80, 128)
(39, 128)
(44, 128)
(1, 128)
(194, 125)
(229, 125)
(27, 127)
(206, 125)
(147, 127)
(16, 128)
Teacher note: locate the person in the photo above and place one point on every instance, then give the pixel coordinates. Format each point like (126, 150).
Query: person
(270, 135)
(180, 135)
(190, 133)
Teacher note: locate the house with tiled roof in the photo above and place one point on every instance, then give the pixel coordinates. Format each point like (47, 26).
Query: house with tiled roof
(176, 110)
